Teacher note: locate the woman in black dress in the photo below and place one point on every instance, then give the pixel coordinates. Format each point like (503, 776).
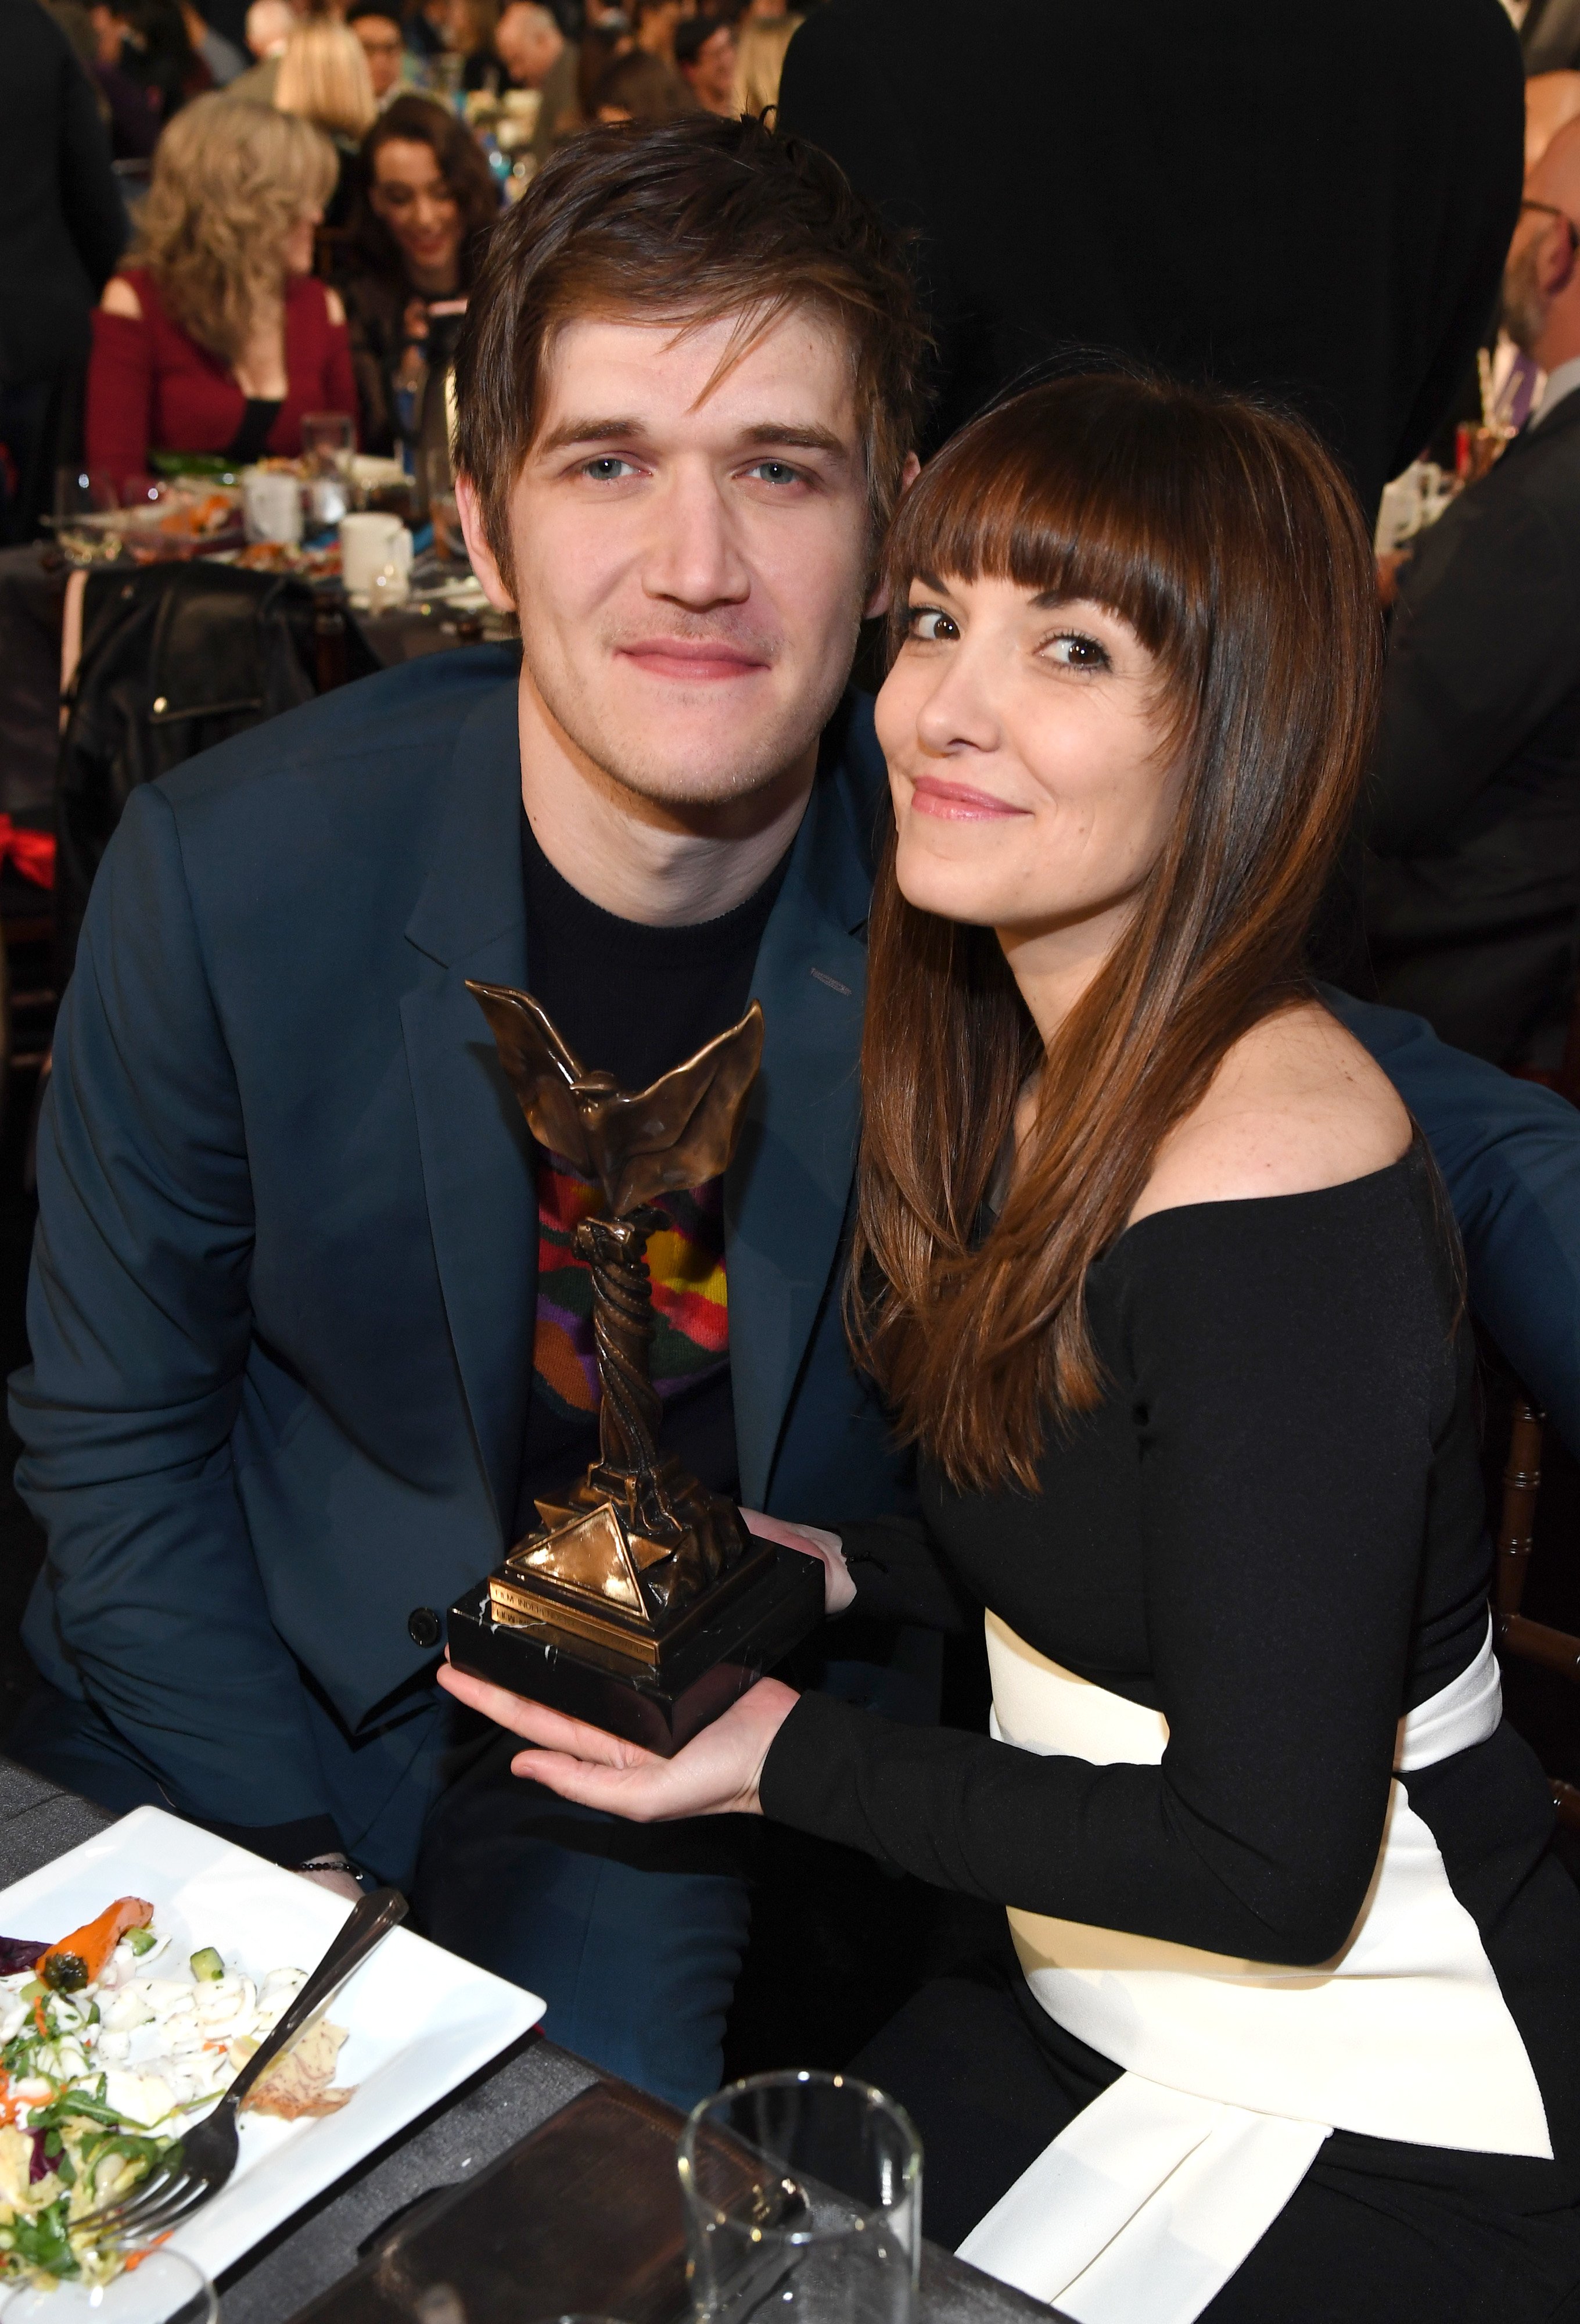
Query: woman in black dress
(1157, 1277)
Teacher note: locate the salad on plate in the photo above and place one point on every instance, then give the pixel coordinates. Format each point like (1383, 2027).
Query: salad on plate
(109, 2043)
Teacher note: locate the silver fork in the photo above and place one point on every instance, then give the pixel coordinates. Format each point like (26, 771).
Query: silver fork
(207, 2154)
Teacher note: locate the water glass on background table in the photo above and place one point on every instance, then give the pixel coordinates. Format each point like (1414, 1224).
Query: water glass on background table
(436, 484)
(272, 500)
(161, 2288)
(803, 2195)
(84, 499)
(328, 449)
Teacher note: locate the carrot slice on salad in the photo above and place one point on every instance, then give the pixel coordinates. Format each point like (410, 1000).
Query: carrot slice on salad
(75, 1960)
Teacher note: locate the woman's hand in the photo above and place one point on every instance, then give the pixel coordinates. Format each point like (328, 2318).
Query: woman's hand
(811, 1540)
(716, 1773)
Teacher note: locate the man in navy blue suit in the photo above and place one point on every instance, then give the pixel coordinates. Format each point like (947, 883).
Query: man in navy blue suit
(308, 1335)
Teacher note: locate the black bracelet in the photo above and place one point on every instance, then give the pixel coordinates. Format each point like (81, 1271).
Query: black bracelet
(328, 1864)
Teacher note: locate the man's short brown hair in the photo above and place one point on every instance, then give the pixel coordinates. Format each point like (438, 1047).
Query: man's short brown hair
(690, 221)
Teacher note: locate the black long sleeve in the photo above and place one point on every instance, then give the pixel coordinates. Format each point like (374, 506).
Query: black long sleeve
(1270, 1530)
(901, 1575)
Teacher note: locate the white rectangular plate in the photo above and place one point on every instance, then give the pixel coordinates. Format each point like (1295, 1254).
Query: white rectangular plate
(419, 2020)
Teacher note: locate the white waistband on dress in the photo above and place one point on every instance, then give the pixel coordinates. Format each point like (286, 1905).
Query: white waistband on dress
(1235, 2071)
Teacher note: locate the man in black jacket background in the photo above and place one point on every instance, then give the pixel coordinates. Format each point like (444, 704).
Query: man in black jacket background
(1313, 202)
(1473, 883)
(62, 228)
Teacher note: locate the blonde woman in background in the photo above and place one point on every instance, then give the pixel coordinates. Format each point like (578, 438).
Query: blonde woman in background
(213, 337)
(761, 37)
(323, 77)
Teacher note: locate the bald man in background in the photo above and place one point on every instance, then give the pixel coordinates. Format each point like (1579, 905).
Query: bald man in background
(1472, 885)
(530, 52)
(269, 25)
(1551, 99)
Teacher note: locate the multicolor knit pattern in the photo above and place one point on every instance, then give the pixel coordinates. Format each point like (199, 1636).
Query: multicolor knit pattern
(685, 1260)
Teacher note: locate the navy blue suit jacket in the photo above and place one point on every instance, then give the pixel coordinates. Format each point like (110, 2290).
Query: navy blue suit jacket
(281, 1309)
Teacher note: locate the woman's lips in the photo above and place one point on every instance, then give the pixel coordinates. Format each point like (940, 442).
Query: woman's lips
(953, 802)
(676, 658)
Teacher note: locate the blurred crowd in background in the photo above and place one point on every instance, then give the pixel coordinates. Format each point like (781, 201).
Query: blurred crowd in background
(307, 193)
(217, 229)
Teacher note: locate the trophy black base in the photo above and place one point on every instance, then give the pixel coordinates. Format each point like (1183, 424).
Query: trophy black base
(660, 1709)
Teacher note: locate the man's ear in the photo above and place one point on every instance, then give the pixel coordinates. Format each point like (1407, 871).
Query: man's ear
(1556, 260)
(484, 563)
(879, 603)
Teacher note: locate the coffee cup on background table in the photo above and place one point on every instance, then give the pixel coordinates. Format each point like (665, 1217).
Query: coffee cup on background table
(373, 544)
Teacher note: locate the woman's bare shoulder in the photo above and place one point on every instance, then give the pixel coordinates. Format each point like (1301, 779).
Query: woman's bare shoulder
(1297, 1104)
(119, 297)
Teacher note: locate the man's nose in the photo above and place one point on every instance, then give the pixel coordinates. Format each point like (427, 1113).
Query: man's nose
(694, 559)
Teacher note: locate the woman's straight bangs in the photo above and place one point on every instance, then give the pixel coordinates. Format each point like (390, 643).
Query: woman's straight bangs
(1068, 517)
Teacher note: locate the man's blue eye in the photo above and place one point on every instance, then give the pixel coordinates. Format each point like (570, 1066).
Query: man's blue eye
(777, 471)
(605, 469)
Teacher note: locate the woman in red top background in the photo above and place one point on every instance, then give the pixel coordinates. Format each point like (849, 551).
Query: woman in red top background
(214, 337)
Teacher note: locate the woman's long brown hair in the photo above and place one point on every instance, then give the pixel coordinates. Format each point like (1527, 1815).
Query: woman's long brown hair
(1230, 542)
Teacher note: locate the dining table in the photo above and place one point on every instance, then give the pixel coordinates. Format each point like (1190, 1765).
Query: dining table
(527, 2083)
(33, 596)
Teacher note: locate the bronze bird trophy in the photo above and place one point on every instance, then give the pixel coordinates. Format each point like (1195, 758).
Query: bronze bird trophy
(641, 1604)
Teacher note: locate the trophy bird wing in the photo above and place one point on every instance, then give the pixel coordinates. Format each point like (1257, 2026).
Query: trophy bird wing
(682, 1130)
(545, 1075)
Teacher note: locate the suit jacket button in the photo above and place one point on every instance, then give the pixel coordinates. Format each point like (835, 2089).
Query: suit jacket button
(423, 1626)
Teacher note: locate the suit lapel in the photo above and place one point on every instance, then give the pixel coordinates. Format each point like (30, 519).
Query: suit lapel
(1564, 417)
(477, 1160)
(788, 1190)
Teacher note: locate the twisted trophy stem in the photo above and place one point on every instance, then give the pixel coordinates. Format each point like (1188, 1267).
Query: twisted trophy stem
(616, 1252)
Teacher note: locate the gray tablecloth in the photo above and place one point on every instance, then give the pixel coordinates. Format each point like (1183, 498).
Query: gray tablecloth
(520, 2089)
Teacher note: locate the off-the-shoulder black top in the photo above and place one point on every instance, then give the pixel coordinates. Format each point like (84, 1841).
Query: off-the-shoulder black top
(1273, 1529)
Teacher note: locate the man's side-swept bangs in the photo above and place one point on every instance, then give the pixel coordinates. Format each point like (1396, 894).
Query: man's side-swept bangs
(694, 221)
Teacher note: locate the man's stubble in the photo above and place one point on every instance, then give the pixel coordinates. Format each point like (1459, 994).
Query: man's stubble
(640, 765)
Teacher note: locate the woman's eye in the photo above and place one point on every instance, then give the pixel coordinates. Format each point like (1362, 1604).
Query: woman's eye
(1073, 650)
(933, 627)
(608, 468)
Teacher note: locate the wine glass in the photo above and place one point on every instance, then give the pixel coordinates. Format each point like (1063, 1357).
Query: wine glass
(157, 2287)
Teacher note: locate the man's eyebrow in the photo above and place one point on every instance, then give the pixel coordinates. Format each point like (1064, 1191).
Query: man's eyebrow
(590, 431)
(792, 435)
(797, 437)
